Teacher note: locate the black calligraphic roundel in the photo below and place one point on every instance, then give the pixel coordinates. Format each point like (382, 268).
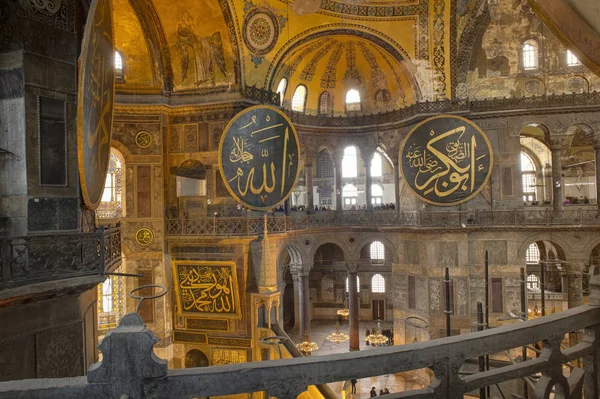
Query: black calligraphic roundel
(258, 157)
(95, 101)
(446, 160)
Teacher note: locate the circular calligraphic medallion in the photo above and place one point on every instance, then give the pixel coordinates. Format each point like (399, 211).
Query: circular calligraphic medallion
(446, 160)
(261, 31)
(143, 139)
(258, 157)
(95, 100)
(144, 236)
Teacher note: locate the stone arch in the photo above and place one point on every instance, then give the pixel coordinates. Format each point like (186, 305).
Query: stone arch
(122, 148)
(558, 242)
(368, 240)
(328, 240)
(540, 125)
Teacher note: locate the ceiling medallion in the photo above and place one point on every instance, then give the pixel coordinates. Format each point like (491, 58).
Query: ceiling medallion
(143, 139)
(144, 236)
(261, 31)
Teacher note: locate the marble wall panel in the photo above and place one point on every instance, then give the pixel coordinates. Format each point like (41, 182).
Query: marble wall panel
(421, 294)
(434, 296)
(477, 288)
(461, 297)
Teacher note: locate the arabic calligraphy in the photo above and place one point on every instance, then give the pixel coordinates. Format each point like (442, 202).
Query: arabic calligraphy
(446, 160)
(207, 287)
(95, 102)
(258, 157)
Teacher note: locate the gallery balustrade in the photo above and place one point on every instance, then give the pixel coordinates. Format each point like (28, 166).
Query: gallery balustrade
(40, 258)
(130, 369)
(235, 226)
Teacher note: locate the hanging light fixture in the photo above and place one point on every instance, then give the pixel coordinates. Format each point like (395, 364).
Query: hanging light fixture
(338, 337)
(345, 312)
(307, 346)
(376, 338)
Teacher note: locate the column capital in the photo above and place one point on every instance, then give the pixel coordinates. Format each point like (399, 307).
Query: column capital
(559, 143)
(300, 270)
(353, 266)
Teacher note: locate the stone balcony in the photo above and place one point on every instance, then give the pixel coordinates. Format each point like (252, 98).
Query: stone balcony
(131, 370)
(32, 263)
(298, 221)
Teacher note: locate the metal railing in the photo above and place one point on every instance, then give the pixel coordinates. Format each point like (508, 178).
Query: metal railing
(591, 99)
(130, 369)
(239, 226)
(40, 258)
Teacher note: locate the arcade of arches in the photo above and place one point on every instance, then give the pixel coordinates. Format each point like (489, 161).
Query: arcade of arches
(354, 79)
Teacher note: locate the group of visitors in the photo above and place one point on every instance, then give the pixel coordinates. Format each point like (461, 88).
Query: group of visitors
(376, 207)
(383, 391)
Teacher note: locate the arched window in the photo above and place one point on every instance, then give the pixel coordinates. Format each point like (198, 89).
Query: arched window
(119, 76)
(281, 89)
(376, 165)
(530, 54)
(376, 194)
(327, 289)
(533, 281)
(299, 99)
(349, 162)
(325, 103)
(377, 252)
(350, 194)
(353, 100)
(571, 59)
(357, 284)
(528, 177)
(532, 256)
(111, 205)
(324, 165)
(378, 284)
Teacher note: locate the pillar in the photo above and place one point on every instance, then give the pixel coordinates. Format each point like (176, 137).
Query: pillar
(597, 153)
(308, 178)
(338, 184)
(369, 186)
(303, 305)
(397, 183)
(354, 310)
(557, 183)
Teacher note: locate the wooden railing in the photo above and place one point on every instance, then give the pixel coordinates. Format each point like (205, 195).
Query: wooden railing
(236, 226)
(130, 369)
(40, 258)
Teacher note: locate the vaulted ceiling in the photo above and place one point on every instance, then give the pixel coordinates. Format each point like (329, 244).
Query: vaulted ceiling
(213, 48)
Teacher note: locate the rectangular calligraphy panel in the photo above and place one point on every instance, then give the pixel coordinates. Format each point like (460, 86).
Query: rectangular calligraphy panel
(206, 288)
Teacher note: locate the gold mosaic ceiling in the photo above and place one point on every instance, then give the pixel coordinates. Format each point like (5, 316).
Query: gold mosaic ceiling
(215, 47)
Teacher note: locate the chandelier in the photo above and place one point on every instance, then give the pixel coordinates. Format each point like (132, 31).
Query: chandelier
(307, 346)
(345, 311)
(376, 338)
(337, 337)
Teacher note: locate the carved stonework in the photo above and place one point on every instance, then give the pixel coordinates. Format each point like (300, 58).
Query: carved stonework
(434, 296)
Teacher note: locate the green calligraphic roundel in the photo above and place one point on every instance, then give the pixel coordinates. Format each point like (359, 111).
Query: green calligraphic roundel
(259, 157)
(95, 101)
(446, 160)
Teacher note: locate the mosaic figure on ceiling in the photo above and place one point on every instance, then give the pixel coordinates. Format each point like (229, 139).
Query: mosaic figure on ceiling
(205, 53)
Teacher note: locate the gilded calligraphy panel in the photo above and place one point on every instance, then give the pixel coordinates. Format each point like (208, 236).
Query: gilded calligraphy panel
(259, 157)
(229, 356)
(446, 160)
(205, 288)
(95, 102)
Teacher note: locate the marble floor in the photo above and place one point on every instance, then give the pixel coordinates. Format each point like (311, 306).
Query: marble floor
(394, 383)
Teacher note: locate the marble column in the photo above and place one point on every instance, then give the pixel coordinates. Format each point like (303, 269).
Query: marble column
(354, 310)
(397, 184)
(597, 153)
(557, 181)
(339, 205)
(369, 186)
(304, 306)
(308, 178)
